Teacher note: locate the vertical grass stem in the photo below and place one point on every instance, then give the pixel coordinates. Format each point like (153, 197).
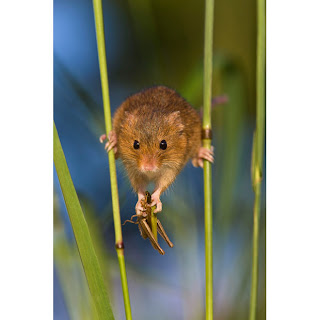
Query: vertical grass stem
(258, 151)
(98, 14)
(207, 168)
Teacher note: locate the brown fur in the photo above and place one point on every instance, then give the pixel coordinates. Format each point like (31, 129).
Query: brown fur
(149, 117)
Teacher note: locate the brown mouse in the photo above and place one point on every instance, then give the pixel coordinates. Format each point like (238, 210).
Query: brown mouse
(155, 133)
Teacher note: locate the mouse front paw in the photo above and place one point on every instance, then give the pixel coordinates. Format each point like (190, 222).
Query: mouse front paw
(112, 141)
(203, 154)
(140, 210)
(156, 202)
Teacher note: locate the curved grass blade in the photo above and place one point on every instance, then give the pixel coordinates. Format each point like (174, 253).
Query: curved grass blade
(81, 232)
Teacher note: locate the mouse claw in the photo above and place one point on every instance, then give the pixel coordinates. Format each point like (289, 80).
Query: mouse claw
(110, 145)
(102, 138)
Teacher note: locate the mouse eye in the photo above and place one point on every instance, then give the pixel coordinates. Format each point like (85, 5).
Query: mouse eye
(136, 144)
(163, 145)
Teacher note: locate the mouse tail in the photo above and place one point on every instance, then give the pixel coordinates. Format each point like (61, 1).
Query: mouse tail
(216, 101)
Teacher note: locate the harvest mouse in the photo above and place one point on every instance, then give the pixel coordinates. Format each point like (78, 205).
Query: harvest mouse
(155, 133)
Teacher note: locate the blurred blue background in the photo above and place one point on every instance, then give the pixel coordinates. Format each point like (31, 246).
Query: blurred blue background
(157, 42)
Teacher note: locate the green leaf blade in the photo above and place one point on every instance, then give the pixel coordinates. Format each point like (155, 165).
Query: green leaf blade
(82, 235)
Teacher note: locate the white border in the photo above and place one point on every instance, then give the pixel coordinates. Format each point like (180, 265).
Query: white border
(26, 283)
(293, 206)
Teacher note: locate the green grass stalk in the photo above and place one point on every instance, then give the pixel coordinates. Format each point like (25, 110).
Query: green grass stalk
(98, 14)
(81, 232)
(258, 150)
(207, 167)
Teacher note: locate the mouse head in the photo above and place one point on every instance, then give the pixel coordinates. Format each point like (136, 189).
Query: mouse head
(151, 140)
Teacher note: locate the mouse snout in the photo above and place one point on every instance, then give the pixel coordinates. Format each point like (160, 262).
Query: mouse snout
(149, 164)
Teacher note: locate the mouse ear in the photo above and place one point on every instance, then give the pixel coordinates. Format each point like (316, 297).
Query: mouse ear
(175, 118)
(129, 117)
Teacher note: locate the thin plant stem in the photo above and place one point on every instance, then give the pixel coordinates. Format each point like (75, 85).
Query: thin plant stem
(98, 14)
(207, 167)
(258, 151)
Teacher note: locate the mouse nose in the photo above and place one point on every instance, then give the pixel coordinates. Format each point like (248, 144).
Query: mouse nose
(149, 165)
